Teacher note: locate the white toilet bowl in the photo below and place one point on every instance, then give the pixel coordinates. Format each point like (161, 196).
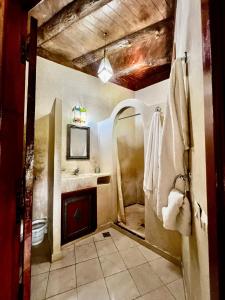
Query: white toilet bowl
(39, 228)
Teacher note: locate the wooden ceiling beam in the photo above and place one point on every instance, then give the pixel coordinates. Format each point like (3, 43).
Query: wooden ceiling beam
(125, 42)
(70, 14)
(144, 77)
(57, 58)
(150, 63)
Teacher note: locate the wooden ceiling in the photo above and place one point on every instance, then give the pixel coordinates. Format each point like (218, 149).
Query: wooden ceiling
(139, 37)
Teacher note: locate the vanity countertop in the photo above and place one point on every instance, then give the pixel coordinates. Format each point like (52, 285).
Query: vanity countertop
(71, 182)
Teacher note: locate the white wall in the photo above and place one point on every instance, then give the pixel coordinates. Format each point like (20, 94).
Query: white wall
(154, 94)
(54, 80)
(72, 87)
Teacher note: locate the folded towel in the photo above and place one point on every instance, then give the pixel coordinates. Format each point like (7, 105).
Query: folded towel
(177, 215)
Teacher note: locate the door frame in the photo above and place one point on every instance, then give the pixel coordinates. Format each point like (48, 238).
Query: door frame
(213, 25)
(12, 112)
(13, 31)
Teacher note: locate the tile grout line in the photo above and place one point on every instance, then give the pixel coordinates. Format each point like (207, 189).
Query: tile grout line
(131, 277)
(140, 295)
(165, 285)
(47, 284)
(102, 272)
(49, 298)
(75, 267)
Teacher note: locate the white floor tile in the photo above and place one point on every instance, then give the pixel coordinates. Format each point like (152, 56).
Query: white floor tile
(177, 289)
(148, 254)
(105, 247)
(39, 267)
(38, 286)
(99, 236)
(145, 279)
(88, 271)
(68, 258)
(166, 270)
(93, 291)
(160, 294)
(70, 295)
(115, 233)
(84, 241)
(85, 252)
(121, 286)
(124, 242)
(112, 263)
(132, 257)
(61, 280)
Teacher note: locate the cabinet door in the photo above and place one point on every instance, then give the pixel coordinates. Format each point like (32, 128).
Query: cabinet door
(78, 214)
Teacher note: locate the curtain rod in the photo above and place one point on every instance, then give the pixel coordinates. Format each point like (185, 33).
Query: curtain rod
(129, 116)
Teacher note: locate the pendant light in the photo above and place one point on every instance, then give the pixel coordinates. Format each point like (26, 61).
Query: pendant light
(105, 71)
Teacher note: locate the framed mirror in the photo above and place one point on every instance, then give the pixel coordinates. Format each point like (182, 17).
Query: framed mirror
(78, 142)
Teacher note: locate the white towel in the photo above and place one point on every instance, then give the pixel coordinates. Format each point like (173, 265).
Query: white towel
(175, 137)
(152, 160)
(177, 215)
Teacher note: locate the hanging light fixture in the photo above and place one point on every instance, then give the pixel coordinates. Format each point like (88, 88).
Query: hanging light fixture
(105, 71)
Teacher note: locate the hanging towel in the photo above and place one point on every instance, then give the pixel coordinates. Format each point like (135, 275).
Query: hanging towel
(175, 137)
(152, 160)
(177, 215)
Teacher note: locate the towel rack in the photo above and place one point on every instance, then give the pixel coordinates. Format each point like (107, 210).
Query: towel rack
(158, 108)
(185, 178)
(185, 57)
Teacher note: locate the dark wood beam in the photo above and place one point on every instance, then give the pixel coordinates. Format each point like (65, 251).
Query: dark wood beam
(144, 77)
(125, 42)
(149, 63)
(70, 14)
(57, 58)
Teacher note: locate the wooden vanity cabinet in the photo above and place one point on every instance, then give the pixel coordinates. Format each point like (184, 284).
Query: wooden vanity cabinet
(79, 214)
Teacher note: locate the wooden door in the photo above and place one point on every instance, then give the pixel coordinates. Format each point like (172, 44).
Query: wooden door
(213, 37)
(13, 30)
(29, 160)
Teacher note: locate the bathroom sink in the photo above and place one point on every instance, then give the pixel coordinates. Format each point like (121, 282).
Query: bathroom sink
(71, 182)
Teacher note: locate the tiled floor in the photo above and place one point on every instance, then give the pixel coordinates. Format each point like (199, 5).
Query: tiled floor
(98, 268)
(135, 216)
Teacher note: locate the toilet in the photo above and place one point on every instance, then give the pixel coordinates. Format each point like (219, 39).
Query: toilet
(39, 229)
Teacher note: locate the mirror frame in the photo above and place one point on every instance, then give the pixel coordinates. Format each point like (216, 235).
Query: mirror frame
(87, 129)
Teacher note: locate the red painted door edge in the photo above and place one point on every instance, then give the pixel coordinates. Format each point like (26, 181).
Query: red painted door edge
(213, 35)
(13, 30)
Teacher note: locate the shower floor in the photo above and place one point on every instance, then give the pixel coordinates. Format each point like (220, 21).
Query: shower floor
(135, 219)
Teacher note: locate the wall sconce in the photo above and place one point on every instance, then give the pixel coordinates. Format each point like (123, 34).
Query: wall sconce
(79, 115)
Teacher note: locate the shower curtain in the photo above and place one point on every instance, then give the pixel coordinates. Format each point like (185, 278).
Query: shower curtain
(121, 211)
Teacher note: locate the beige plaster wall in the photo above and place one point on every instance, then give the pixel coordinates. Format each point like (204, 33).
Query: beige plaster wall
(166, 240)
(72, 87)
(139, 150)
(54, 179)
(40, 192)
(194, 249)
(145, 103)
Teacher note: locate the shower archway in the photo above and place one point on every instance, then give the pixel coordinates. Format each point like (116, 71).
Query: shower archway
(107, 144)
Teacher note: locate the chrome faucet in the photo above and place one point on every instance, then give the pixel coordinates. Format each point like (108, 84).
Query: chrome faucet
(76, 171)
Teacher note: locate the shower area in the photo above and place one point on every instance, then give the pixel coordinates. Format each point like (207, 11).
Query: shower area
(129, 135)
